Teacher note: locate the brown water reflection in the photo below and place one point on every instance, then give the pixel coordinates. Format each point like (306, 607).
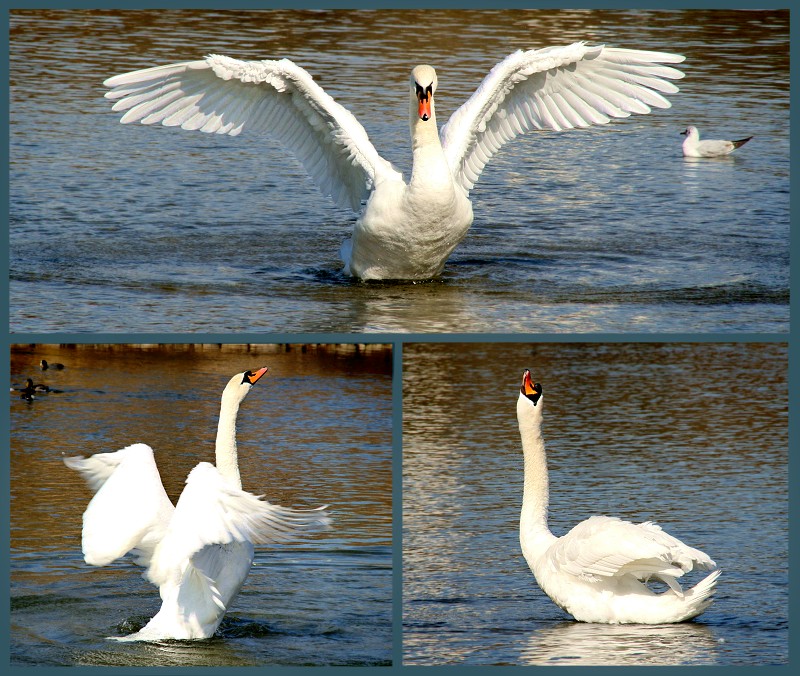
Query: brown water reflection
(474, 39)
(317, 405)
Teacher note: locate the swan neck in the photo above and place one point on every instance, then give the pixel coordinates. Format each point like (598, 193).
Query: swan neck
(535, 493)
(227, 459)
(430, 173)
(425, 134)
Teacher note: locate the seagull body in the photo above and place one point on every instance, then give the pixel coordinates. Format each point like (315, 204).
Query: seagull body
(694, 147)
(406, 229)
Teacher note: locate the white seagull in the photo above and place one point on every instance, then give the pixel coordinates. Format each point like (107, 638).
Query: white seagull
(598, 571)
(198, 552)
(694, 147)
(405, 229)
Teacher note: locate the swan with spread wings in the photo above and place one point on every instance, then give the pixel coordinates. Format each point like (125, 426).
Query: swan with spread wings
(406, 229)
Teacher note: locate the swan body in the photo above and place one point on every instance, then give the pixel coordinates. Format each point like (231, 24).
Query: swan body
(598, 571)
(405, 229)
(197, 552)
(694, 147)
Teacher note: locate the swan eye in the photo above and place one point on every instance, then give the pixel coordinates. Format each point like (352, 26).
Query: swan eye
(424, 94)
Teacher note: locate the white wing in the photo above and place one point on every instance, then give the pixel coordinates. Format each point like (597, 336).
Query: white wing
(553, 88)
(604, 546)
(130, 509)
(210, 513)
(713, 147)
(222, 95)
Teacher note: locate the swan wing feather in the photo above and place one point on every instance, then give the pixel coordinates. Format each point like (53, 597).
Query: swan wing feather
(603, 546)
(222, 95)
(130, 510)
(553, 88)
(210, 512)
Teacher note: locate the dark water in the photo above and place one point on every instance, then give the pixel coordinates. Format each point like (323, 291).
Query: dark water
(692, 436)
(317, 430)
(129, 228)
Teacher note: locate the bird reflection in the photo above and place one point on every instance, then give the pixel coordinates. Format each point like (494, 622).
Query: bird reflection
(579, 643)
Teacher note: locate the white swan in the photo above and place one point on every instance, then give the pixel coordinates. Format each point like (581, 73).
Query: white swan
(598, 570)
(694, 147)
(199, 552)
(406, 230)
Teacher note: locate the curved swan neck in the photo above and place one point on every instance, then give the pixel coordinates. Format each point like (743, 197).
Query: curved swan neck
(535, 494)
(227, 459)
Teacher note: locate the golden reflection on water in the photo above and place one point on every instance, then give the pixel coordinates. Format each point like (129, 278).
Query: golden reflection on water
(465, 39)
(316, 430)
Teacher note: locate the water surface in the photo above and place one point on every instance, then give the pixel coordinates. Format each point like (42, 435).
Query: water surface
(691, 436)
(130, 228)
(316, 430)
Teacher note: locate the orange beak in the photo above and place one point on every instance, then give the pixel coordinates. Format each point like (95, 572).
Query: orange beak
(527, 383)
(255, 375)
(425, 107)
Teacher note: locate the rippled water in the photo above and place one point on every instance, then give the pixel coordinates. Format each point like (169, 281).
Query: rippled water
(129, 228)
(692, 436)
(317, 430)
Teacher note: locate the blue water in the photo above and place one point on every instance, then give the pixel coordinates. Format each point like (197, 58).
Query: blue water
(316, 430)
(691, 436)
(130, 228)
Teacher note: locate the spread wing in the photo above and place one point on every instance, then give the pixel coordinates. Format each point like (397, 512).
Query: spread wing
(553, 88)
(222, 95)
(210, 513)
(130, 510)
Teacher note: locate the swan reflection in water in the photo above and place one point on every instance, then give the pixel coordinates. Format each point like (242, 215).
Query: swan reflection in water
(587, 644)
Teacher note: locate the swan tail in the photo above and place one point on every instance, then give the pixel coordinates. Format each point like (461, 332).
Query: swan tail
(692, 602)
(701, 594)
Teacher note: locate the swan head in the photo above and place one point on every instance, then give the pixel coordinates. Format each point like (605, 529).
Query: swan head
(241, 383)
(529, 404)
(423, 86)
(690, 132)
